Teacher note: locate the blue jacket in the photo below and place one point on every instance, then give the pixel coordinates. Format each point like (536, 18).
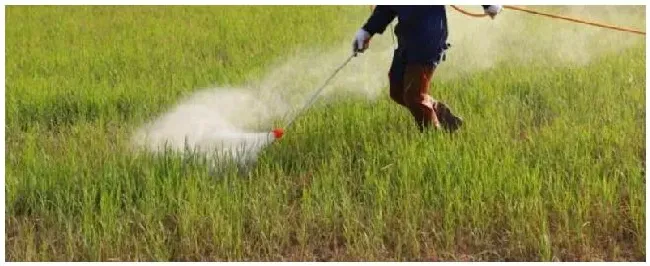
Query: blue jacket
(421, 30)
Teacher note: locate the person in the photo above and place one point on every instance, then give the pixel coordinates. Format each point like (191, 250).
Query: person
(421, 45)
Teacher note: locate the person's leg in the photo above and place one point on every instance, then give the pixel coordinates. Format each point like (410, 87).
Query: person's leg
(425, 109)
(414, 95)
(396, 79)
(417, 79)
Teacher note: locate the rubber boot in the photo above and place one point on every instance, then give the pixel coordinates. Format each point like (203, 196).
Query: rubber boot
(448, 120)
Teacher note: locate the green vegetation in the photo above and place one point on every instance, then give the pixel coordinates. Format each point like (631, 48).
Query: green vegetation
(548, 167)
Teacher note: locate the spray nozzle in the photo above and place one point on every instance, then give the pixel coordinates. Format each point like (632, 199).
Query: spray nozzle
(277, 133)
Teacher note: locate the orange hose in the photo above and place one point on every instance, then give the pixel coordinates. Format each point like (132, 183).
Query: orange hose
(553, 16)
(462, 11)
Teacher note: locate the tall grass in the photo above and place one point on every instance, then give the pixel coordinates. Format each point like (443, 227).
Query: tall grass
(549, 165)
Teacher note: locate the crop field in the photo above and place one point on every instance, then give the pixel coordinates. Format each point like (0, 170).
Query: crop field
(549, 165)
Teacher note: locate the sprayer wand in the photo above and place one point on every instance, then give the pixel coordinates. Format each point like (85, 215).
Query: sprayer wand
(279, 131)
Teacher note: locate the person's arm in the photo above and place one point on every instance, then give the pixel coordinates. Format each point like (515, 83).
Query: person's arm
(379, 19)
(377, 22)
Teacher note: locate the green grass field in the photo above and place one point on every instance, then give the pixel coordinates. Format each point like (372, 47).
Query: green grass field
(549, 166)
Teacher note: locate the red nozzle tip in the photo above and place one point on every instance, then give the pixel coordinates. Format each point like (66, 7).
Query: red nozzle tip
(277, 133)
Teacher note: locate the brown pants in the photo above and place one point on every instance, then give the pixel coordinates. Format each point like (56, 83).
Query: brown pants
(411, 91)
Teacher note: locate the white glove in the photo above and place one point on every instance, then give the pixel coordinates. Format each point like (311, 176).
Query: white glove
(361, 41)
(493, 10)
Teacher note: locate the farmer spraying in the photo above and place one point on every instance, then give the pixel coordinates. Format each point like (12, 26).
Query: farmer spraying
(421, 44)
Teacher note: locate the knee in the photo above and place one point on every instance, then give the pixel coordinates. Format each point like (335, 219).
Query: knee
(418, 99)
(413, 99)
